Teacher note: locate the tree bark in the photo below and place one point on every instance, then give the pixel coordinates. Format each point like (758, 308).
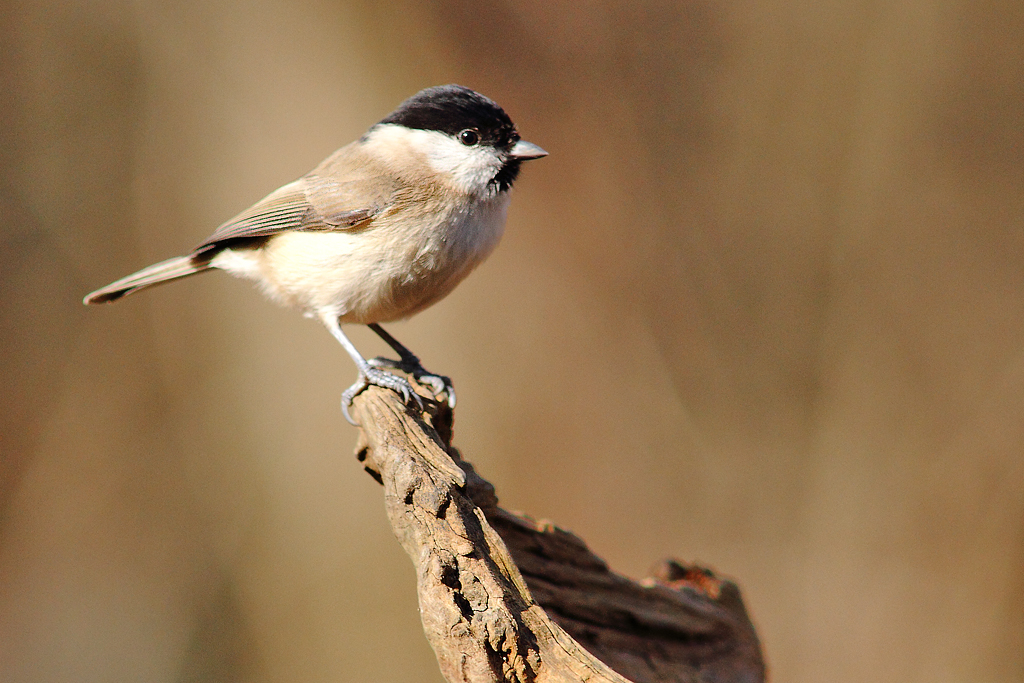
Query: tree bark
(504, 598)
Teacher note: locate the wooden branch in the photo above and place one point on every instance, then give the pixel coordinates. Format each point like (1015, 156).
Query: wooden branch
(504, 598)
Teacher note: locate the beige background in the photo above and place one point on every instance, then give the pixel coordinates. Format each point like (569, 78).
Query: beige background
(762, 307)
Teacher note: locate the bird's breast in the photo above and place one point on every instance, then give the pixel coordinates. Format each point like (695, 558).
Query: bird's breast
(405, 261)
(446, 252)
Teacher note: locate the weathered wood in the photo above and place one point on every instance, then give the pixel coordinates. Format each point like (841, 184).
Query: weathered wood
(504, 598)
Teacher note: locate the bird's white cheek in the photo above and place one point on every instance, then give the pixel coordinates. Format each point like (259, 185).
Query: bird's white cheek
(471, 172)
(470, 169)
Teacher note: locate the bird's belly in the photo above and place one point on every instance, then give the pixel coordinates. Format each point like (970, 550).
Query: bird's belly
(381, 273)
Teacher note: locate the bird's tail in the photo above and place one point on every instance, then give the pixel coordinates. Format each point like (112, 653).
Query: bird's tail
(171, 269)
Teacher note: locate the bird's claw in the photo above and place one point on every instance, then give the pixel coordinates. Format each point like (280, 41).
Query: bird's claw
(437, 384)
(374, 376)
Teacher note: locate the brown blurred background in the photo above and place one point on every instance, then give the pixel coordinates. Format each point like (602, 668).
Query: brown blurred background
(762, 307)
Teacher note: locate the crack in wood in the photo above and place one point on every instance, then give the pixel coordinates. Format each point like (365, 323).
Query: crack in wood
(477, 603)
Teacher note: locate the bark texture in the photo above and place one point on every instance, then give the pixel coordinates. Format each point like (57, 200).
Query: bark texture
(505, 598)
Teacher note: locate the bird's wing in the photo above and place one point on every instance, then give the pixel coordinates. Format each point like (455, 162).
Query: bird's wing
(319, 202)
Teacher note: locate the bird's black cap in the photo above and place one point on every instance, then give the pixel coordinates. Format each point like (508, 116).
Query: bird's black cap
(454, 108)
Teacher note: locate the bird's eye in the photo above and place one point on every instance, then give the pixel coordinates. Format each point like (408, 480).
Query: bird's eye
(469, 137)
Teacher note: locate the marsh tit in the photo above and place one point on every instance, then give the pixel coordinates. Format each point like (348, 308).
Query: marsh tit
(381, 229)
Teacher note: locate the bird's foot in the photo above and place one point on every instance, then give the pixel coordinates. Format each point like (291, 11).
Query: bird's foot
(374, 376)
(437, 384)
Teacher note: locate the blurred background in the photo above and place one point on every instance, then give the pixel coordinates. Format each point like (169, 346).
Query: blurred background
(761, 308)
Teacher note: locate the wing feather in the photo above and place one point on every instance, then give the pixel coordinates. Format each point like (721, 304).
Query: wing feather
(342, 193)
(284, 209)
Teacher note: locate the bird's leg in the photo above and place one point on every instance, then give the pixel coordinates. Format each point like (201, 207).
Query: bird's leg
(410, 363)
(368, 374)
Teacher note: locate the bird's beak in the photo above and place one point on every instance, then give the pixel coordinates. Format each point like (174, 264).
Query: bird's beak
(523, 151)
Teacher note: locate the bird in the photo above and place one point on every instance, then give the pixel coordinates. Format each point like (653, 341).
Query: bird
(381, 229)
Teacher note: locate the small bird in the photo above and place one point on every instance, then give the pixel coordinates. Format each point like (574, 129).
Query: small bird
(380, 230)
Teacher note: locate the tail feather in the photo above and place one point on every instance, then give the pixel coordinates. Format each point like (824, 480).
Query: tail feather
(171, 269)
